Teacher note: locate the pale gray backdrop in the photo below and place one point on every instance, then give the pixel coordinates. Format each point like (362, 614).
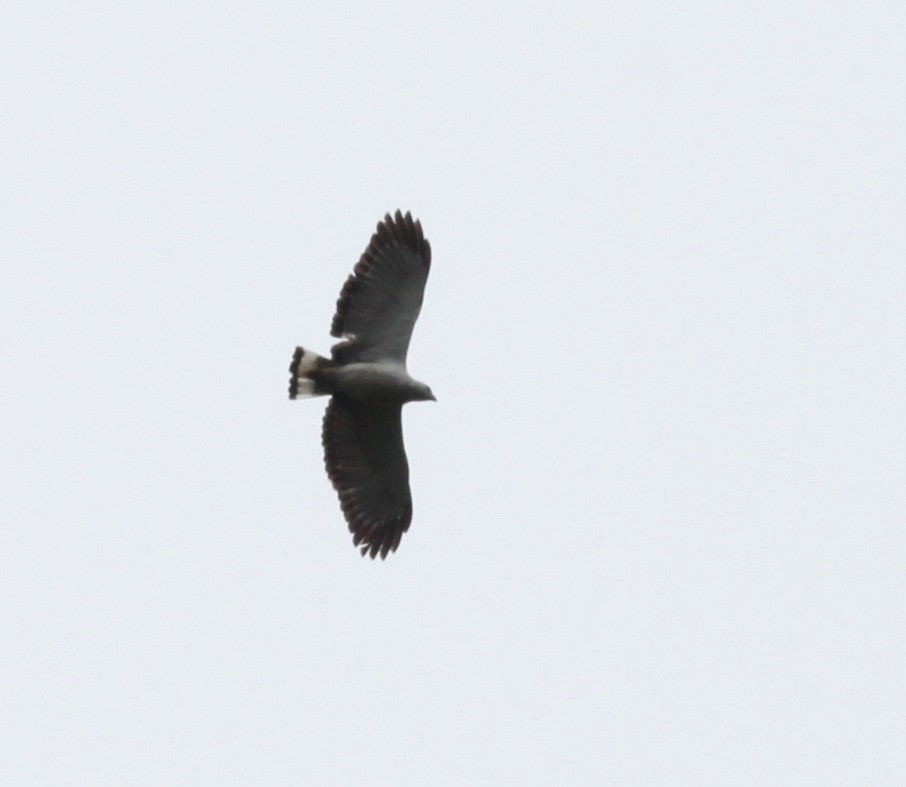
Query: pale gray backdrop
(659, 506)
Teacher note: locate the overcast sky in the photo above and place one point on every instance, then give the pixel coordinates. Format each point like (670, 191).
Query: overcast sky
(660, 504)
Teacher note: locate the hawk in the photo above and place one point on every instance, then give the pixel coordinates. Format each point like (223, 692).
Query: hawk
(367, 381)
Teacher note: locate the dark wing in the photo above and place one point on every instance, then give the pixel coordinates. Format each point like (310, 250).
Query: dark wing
(380, 301)
(366, 461)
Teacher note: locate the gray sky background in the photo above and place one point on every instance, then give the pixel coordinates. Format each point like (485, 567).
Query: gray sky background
(659, 506)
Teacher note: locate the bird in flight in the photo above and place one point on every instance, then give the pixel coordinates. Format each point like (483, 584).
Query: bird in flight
(367, 381)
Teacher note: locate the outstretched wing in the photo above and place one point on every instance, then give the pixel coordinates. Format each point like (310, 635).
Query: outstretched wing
(380, 302)
(366, 461)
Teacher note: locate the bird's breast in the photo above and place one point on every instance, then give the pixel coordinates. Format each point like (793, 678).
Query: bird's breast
(372, 381)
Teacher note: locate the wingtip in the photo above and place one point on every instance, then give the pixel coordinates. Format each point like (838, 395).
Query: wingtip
(377, 549)
(402, 226)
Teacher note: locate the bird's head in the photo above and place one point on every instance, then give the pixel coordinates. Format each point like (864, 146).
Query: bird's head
(422, 393)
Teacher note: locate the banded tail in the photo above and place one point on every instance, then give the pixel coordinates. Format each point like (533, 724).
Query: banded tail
(304, 379)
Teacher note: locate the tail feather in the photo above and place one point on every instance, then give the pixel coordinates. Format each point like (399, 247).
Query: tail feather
(304, 379)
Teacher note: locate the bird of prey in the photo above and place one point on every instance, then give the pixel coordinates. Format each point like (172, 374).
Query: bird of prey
(367, 381)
